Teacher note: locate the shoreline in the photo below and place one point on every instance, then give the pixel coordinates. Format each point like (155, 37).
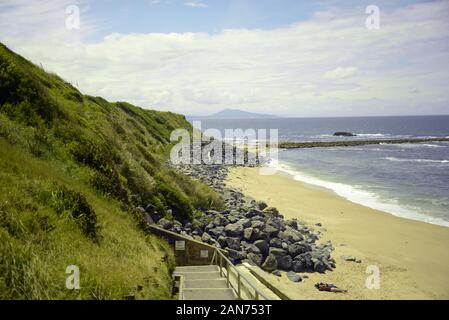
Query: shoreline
(411, 255)
(360, 196)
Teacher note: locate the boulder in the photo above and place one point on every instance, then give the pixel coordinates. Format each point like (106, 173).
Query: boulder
(235, 255)
(277, 273)
(220, 221)
(234, 230)
(257, 224)
(246, 223)
(165, 224)
(271, 211)
(270, 230)
(261, 205)
(276, 243)
(294, 277)
(255, 258)
(284, 262)
(292, 224)
(206, 237)
(319, 266)
(290, 236)
(262, 245)
(233, 243)
(216, 232)
(277, 252)
(298, 248)
(248, 234)
(251, 248)
(222, 241)
(270, 263)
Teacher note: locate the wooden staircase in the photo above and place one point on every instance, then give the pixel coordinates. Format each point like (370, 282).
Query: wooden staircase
(203, 283)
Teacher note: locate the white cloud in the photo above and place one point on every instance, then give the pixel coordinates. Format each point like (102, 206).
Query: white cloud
(328, 65)
(196, 4)
(340, 73)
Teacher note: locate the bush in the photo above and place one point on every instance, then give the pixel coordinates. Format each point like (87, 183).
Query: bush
(176, 201)
(75, 203)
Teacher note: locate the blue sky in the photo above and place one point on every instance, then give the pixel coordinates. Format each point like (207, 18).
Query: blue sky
(165, 16)
(287, 57)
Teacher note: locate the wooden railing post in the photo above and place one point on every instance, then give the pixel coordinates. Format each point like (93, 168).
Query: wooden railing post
(221, 265)
(239, 285)
(227, 274)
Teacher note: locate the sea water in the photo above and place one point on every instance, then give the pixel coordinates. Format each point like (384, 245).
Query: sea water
(407, 180)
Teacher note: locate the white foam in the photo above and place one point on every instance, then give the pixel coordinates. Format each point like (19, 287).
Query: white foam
(372, 135)
(415, 160)
(360, 196)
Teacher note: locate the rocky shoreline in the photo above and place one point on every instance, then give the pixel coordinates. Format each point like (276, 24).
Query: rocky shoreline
(251, 231)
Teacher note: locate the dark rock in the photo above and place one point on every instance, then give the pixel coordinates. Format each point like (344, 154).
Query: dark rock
(319, 266)
(276, 243)
(292, 224)
(221, 221)
(344, 134)
(298, 266)
(206, 237)
(270, 263)
(298, 248)
(290, 236)
(257, 224)
(270, 230)
(248, 234)
(246, 223)
(252, 248)
(277, 252)
(284, 262)
(262, 245)
(277, 273)
(271, 211)
(216, 232)
(261, 205)
(165, 224)
(235, 255)
(233, 243)
(351, 259)
(234, 230)
(255, 258)
(222, 241)
(294, 277)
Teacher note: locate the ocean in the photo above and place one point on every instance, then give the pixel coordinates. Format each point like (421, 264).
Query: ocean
(406, 180)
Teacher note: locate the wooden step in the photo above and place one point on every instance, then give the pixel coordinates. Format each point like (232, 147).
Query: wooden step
(205, 283)
(208, 294)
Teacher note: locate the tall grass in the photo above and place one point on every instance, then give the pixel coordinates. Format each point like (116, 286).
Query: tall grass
(73, 170)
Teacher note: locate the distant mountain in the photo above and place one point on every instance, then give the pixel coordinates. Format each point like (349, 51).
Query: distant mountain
(235, 114)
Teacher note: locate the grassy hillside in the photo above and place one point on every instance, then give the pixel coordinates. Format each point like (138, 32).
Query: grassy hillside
(74, 168)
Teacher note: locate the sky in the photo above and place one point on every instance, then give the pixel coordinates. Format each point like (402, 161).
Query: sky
(285, 57)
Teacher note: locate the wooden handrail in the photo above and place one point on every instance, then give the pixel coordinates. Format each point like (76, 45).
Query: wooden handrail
(240, 276)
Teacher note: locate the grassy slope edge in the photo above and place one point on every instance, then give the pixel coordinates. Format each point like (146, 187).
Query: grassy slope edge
(73, 170)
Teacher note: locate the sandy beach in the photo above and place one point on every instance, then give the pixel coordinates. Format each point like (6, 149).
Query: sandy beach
(412, 256)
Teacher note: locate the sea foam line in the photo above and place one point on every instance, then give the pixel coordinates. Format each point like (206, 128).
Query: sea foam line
(359, 196)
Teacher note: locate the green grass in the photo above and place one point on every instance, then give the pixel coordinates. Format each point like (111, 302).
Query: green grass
(73, 169)
(38, 241)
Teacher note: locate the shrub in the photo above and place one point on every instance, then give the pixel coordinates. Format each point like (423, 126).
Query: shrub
(75, 203)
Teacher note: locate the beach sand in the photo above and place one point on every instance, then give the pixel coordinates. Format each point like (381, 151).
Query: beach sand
(412, 256)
